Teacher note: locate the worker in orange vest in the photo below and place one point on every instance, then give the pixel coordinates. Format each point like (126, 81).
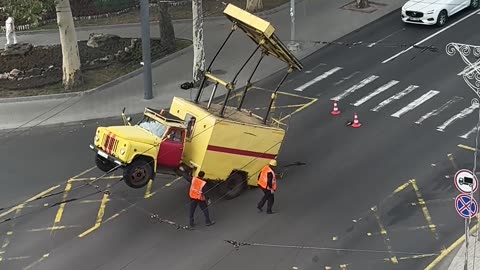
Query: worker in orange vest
(267, 181)
(198, 189)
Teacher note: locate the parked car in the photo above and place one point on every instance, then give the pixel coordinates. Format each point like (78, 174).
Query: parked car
(434, 12)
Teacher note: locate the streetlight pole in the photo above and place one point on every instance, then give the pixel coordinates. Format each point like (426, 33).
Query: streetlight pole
(471, 75)
(292, 45)
(147, 62)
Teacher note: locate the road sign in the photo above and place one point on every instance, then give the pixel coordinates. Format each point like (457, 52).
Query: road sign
(465, 181)
(464, 206)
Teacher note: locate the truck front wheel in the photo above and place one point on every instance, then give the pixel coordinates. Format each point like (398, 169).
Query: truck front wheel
(138, 173)
(234, 185)
(104, 164)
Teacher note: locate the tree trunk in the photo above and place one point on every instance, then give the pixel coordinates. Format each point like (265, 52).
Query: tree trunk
(254, 5)
(198, 48)
(72, 75)
(362, 3)
(167, 32)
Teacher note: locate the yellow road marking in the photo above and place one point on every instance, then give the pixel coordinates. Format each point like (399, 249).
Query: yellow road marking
(452, 160)
(148, 191)
(6, 240)
(58, 216)
(43, 193)
(447, 251)
(466, 147)
(95, 178)
(298, 110)
(386, 239)
(37, 261)
(423, 205)
(54, 228)
(100, 214)
(279, 107)
(167, 185)
(412, 257)
(415, 228)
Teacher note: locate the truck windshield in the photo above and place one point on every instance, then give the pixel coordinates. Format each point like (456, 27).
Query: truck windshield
(155, 127)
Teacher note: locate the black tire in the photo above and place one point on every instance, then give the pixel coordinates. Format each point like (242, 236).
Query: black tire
(104, 164)
(442, 18)
(474, 4)
(234, 185)
(138, 173)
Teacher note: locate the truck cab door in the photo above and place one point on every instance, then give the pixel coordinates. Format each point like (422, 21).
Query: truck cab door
(171, 149)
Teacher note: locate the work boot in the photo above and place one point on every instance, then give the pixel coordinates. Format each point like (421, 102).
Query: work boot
(270, 212)
(259, 209)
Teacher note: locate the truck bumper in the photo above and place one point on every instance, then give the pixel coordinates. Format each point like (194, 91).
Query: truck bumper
(106, 156)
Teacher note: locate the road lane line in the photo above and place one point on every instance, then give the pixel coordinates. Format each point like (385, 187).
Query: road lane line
(355, 88)
(386, 239)
(61, 208)
(466, 135)
(101, 213)
(148, 191)
(378, 91)
(406, 229)
(317, 79)
(429, 37)
(41, 194)
(37, 261)
(306, 105)
(438, 110)
(83, 179)
(383, 39)
(424, 207)
(397, 96)
(460, 115)
(54, 228)
(466, 147)
(423, 256)
(412, 105)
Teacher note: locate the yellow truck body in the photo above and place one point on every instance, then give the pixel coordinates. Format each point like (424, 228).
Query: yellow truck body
(220, 146)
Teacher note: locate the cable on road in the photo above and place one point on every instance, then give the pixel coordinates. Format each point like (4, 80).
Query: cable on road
(237, 246)
(368, 44)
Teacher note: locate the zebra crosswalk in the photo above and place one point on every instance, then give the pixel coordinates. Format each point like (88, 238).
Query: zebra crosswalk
(372, 88)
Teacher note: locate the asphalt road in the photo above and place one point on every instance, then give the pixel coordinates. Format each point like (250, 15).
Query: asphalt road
(327, 207)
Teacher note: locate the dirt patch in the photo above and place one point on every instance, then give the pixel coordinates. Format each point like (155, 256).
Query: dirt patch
(40, 70)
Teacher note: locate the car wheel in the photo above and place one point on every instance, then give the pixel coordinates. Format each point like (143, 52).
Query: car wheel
(474, 4)
(138, 173)
(442, 17)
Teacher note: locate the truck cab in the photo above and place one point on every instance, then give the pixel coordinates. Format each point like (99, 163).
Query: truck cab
(156, 142)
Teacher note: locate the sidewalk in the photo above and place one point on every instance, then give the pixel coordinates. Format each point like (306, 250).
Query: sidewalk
(315, 20)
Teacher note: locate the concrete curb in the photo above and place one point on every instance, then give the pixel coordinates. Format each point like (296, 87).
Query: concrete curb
(110, 26)
(101, 87)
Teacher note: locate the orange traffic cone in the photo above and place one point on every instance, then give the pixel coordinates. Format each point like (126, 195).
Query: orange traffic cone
(356, 123)
(335, 111)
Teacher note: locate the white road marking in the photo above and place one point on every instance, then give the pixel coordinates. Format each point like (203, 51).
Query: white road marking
(438, 110)
(429, 37)
(412, 105)
(460, 115)
(317, 79)
(379, 90)
(465, 136)
(346, 78)
(397, 96)
(355, 88)
(383, 39)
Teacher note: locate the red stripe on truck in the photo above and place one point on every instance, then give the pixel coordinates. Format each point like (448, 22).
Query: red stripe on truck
(234, 151)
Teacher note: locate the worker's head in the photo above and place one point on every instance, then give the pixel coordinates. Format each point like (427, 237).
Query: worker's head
(273, 163)
(201, 174)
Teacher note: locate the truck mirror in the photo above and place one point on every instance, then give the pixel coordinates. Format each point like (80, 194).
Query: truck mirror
(129, 119)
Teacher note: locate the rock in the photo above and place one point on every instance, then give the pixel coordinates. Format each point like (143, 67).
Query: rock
(17, 49)
(98, 40)
(15, 72)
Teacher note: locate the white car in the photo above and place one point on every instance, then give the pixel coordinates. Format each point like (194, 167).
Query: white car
(430, 12)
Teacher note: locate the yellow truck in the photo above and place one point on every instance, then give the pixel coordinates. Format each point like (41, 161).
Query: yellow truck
(230, 144)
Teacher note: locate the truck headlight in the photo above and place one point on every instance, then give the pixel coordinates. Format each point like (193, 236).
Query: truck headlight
(122, 151)
(97, 138)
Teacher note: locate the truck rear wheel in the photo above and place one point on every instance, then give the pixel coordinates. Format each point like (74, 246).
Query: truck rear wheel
(234, 185)
(103, 164)
(138, 173)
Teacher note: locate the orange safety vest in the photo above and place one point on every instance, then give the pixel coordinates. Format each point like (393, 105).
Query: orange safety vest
(263, 179)
(196, 189)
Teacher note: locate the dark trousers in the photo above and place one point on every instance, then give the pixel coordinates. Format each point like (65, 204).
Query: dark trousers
(267, 197)
(203, 205)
